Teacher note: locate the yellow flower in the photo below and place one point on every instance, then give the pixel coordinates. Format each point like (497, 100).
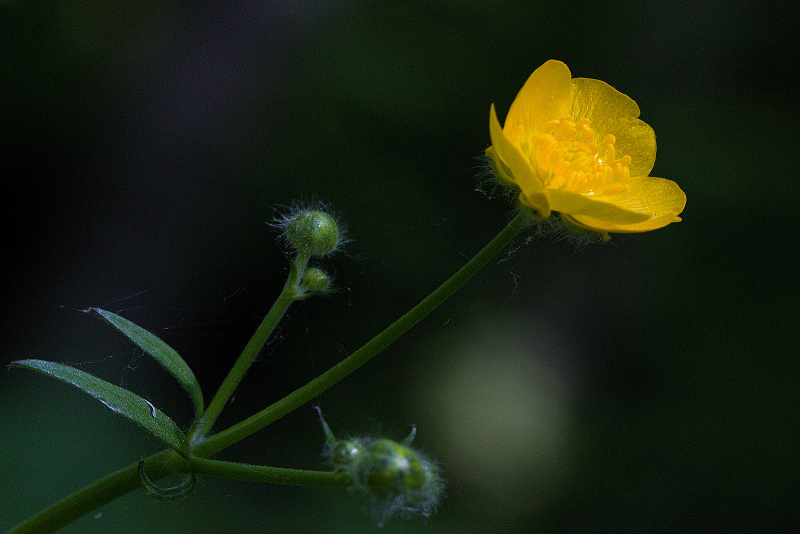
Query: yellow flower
(576, 146)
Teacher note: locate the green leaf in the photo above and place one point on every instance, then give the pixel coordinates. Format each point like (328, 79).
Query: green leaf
(163, 354)
(118, 399)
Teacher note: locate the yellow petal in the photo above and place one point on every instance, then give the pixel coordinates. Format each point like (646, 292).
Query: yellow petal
(661, 200)
(500, 170)
(602, 227)
(515, 167)
(656, 196)
(597, 207)
(544, 96)
(612, 112)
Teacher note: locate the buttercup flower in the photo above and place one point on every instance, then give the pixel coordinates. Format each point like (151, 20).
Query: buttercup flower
(576, 146)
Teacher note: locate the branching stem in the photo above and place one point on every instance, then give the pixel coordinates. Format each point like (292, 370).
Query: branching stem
(361, 356)
(288, 295)
(159, 465)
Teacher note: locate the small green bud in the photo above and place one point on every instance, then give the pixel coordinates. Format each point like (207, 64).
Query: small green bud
(312, 232)
(343, 454)
(396, 477)
(391, 469)
(315, 280)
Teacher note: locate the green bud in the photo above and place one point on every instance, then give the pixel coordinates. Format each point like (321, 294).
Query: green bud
(314, 280)
(344, 454)
(391, 469)
(397, 477)
(312, 232)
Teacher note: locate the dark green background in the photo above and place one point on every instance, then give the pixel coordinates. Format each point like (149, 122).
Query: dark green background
(649, 384)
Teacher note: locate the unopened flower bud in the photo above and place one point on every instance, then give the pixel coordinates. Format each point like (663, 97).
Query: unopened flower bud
(390, 469)
(315, 280)
(396, 477)
(312, 232)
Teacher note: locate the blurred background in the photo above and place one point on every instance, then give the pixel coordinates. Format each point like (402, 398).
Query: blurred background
(648, 384)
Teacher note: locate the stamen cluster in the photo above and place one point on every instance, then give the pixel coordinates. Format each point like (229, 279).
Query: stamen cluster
(566, 155)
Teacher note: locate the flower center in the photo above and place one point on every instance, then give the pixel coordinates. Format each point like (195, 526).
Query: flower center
(566, 155)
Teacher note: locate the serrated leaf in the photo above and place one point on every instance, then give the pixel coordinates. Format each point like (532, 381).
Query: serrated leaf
(117, 399)
(161, 352)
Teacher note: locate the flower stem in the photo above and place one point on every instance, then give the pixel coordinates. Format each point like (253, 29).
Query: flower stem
(361, 356)
(127, 479)
(102, 491)
(270, 475)
(288, 295)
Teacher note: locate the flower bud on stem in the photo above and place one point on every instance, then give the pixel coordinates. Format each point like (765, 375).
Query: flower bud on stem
(311, 233)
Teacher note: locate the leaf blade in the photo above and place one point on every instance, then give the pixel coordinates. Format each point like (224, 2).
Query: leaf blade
(117, 399)
(165, 355)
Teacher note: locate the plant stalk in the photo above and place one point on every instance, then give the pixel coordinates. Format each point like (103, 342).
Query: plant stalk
(125, 480)
(361, 356)
(252, 349)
